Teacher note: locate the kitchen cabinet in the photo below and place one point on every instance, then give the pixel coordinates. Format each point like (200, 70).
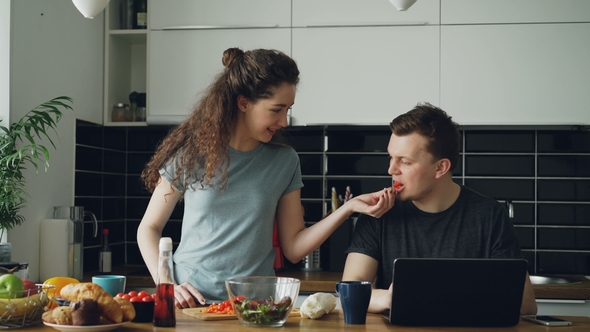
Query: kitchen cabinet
(529, 74)
(220, 13)
(182, 64)
(510, 11)
(125, 63)
(364, 75)
(553, 307)
(355, 13)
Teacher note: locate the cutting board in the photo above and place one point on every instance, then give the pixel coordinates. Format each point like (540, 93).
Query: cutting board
(196, 312)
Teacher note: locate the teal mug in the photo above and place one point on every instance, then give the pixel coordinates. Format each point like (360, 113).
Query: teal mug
(112, 284)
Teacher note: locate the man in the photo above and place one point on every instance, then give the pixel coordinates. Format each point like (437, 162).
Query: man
(432, 216)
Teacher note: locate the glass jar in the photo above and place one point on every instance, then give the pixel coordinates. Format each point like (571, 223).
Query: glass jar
(118, 113)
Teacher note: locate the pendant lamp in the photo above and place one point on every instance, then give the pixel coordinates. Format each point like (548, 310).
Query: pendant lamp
(90, 8)
(402, 5)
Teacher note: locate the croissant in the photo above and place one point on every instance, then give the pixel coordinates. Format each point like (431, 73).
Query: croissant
(127, 308)
(111, 310)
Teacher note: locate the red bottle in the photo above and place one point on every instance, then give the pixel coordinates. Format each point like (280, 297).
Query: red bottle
(164, 310)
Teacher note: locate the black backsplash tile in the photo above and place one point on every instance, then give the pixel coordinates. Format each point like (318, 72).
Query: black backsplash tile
(88, 133)
(115, 162)
(311, 164)
(88, 184)
(501, 189)
(500, 141)
(563, 141)
(526, 237)
(357, 164)
(136, 161)
(524, 213)
(115, 138)
(89, 159)
(563, 214)
(563, 263)
(563, 238)
(305, 139)
(498, 165)
(142, 139)
(563, 190)
(358, 139)
(563, 165)
(113, 185)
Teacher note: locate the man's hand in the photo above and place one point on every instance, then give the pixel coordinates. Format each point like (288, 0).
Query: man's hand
(380, 300)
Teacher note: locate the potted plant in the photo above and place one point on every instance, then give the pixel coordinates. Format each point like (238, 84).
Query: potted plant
(19, 147)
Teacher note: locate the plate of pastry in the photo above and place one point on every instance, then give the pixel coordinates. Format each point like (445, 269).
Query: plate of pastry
(85, 328)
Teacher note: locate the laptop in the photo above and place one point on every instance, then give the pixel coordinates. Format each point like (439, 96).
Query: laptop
(457, 292)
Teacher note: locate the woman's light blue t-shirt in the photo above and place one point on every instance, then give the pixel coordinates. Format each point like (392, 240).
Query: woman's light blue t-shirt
(229, 233)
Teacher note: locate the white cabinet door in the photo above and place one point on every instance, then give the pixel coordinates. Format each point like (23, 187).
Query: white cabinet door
(365, 75)
(365, 12)
(174, 13)
(183, 63)
(516, 74)
(511, 11)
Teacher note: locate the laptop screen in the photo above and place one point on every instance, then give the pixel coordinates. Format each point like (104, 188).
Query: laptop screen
(457, 292)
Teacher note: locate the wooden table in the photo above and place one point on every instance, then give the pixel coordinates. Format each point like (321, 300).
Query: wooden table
(332, 322)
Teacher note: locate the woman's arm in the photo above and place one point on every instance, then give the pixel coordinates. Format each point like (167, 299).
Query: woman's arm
(149, 232)
(298, 241)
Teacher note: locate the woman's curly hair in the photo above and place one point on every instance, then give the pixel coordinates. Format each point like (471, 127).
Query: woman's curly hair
(199, 146)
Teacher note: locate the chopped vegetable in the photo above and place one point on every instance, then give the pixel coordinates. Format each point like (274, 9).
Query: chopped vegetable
(224, 307)
(397, 185)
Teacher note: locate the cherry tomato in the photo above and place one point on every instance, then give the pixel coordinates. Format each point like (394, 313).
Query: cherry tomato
(135, 299)
(126, 297)
(396, 185)
(147, 299)
(143, 294)
(120, 294)
(132, 293)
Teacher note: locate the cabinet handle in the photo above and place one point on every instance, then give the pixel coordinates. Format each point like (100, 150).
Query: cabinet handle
(356, 25)
(215, 27)
(560, 301)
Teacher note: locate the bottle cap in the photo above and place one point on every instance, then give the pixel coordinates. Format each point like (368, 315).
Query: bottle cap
(166, 244)
(105, 231)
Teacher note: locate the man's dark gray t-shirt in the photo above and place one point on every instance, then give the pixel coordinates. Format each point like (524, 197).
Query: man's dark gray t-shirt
(475, 226)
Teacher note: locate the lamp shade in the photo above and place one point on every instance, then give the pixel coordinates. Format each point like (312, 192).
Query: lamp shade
(90, 8)
(402, 5)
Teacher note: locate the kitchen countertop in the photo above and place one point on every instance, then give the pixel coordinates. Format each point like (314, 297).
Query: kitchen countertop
(331, 322)
(323, 281)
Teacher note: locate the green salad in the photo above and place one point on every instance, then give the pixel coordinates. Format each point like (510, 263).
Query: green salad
(262, 311)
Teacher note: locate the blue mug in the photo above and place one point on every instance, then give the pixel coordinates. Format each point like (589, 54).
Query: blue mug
(354, 298)
(112, 284)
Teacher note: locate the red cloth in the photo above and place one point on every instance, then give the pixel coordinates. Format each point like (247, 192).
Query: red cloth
(276, 243)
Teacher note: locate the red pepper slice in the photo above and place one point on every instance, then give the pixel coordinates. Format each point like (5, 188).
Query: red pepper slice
(397, 185)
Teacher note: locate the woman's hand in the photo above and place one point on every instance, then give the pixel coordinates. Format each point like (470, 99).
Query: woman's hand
(374, 204)
(186, 294)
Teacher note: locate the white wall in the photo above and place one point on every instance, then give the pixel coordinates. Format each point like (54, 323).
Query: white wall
(4, 63)
(55, 51)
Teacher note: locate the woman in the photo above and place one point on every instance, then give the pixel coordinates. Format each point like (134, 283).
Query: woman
(235, 179)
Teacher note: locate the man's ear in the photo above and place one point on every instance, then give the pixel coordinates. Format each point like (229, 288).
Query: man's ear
(243, 103)
(443, 166)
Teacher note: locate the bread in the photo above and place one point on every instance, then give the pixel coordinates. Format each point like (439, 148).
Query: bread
(48, 317)
(111, 310)
(127, 308)
(317, 305)
(85, 312)
(62, 315)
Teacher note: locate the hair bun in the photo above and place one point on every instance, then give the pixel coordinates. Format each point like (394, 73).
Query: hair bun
(230, 55)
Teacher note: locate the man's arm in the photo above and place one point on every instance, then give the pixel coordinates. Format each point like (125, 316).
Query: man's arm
(529, 305)
(362, 267)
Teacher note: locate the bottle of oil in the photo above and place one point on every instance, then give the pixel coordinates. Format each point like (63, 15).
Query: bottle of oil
(105, 253)
(164, 314)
